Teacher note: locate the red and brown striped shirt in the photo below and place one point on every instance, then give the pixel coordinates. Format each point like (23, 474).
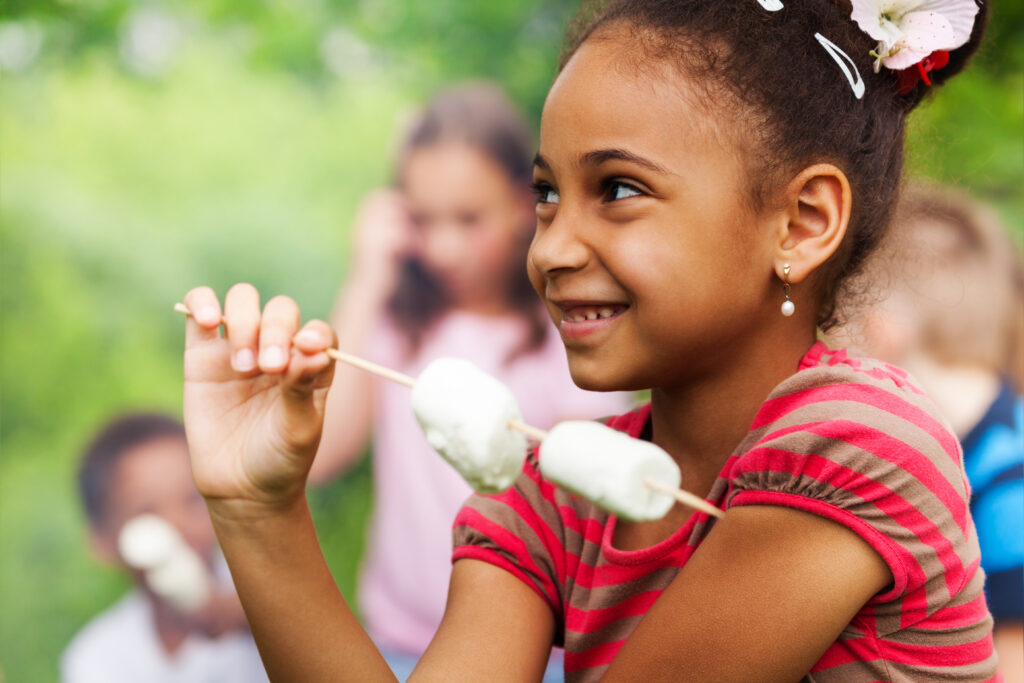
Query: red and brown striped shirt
(849, 439)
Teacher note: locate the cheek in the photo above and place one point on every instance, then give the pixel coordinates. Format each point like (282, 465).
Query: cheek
(535, 276)
(494, 246)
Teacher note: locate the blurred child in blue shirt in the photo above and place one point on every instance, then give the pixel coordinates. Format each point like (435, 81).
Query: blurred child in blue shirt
(952, 314)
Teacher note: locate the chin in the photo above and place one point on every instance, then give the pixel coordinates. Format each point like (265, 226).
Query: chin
(597, 377)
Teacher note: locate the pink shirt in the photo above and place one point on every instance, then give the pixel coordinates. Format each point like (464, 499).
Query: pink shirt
(404, 582)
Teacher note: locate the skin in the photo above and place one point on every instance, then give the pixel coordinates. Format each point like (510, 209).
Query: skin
(460, 214)
(693, 275)
(154, 478)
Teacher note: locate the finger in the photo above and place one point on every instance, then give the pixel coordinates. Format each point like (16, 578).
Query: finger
(309, 375)
(204, 323)
(307, 368)
(242, 318)
(314, 337)
(312, 343)
(280, 323)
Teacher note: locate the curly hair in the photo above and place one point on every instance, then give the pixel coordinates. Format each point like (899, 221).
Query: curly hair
(787, 92)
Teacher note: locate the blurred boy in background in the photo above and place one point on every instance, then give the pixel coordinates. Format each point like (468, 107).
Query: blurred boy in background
(136, 466)
(953, 316)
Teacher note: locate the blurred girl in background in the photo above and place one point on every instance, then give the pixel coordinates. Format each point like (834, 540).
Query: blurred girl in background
(439, 270)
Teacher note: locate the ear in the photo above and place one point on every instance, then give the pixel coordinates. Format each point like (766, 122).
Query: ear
(817, 213)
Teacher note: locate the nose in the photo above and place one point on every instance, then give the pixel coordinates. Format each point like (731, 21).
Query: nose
(558, 247)
(444, 246)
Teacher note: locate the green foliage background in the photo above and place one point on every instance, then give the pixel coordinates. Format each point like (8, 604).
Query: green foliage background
(244, 160)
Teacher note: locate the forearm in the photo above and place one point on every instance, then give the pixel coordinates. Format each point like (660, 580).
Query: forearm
(304, 629)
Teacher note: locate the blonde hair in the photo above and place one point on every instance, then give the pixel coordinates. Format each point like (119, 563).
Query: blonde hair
(958, 274)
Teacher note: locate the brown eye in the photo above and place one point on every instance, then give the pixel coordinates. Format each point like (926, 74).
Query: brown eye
(545, 193)
(620, 190)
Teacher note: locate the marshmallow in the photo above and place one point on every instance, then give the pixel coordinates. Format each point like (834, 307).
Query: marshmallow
(464, 413)
(609, 468)
(170, 567)
(183, 581)
(147, 541)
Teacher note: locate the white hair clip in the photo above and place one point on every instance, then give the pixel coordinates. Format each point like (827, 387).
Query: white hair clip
(845, 63)
(771, 5)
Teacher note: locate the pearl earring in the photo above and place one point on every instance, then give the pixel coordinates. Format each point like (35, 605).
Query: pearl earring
(787, 306)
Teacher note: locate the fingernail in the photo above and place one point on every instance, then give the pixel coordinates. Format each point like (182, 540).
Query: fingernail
(207, 315)
(244, 360)
(272, 357)
(308, 336)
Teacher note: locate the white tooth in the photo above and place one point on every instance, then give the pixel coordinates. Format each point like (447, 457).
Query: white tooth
(591, 315)
(576, 318)
(606, 312)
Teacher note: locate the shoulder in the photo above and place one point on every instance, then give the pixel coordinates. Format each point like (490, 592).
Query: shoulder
(874, 404)
(994, 448)
(857, 441)
(121, 628)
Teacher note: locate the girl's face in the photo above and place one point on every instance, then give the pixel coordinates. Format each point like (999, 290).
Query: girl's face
(468, 220)
(647, 253)
(155, 478)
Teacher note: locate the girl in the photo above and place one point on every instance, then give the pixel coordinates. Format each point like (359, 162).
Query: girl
(700, 164)
(438, 271)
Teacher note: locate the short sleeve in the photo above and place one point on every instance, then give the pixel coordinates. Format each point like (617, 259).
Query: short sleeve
(870, 454)
(517, 530)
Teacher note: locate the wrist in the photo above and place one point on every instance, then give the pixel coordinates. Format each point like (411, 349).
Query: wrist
(230, 514)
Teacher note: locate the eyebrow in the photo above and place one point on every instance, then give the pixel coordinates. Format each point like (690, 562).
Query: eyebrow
(600, 156)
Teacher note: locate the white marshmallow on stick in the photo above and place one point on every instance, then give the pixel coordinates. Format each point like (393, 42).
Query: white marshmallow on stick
(465, 415)
(471, 419)
(634, 479)
(170, 567)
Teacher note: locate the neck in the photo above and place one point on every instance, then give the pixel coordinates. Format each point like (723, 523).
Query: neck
(171, 629)
(963, 393)
(701, 423)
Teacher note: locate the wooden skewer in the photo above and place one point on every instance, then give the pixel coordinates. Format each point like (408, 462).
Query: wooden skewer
(683, 497)
(356, 361)
(344, 357)
(532, 432)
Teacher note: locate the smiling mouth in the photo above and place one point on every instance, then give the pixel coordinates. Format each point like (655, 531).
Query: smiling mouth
(578, 314)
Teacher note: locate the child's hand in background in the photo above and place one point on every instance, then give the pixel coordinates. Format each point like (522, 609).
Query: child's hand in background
(254, 398)
(382, 238)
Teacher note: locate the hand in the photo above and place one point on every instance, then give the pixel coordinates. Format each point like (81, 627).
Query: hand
(382, 238)
(253, 399)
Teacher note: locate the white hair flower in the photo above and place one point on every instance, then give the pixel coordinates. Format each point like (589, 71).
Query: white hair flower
(908, 31)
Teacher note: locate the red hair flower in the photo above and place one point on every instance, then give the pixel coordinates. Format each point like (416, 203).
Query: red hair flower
(908, 78)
